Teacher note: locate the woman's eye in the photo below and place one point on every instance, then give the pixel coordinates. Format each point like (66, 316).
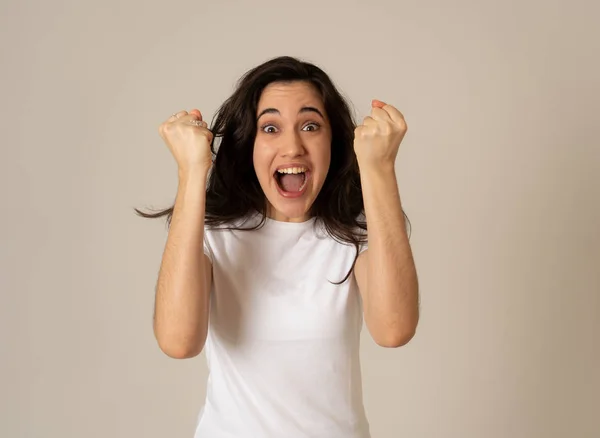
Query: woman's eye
(272, 129)
(311, 127)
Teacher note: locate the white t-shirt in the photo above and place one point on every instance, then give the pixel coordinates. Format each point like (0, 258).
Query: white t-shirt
(283, 342)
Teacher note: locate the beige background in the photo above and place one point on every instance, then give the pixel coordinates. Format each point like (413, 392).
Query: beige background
(499, 174)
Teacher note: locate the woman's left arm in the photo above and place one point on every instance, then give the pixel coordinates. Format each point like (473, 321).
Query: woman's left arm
(385, 272)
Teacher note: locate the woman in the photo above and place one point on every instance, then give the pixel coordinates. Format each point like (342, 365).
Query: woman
(266, 265)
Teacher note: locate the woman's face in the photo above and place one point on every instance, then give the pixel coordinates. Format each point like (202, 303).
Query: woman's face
(292, 149)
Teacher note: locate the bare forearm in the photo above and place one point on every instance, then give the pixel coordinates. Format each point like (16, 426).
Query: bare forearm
(182, 295)
(392, 286)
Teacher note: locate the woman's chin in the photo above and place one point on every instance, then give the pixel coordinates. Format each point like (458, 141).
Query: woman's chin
(289, 209)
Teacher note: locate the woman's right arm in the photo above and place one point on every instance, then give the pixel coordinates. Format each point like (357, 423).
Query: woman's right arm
(185, 277)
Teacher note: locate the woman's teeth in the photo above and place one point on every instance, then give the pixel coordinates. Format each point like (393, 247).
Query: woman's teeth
(291, 170)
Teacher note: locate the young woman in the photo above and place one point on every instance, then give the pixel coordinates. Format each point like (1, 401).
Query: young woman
(266, 265)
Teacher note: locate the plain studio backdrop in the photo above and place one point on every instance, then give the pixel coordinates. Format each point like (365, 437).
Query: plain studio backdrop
(499, 174)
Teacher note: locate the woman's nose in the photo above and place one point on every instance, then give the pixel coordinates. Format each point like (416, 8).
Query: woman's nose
(291, 145)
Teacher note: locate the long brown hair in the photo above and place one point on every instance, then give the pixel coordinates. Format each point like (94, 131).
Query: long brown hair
(233, 190)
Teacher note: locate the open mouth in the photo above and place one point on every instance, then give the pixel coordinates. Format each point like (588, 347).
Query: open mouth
(292, 182)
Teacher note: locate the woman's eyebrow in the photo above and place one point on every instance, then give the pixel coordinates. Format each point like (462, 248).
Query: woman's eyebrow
(304, 109)
(309, 109)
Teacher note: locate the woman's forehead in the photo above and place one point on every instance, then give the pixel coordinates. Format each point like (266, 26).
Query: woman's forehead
(292, 92)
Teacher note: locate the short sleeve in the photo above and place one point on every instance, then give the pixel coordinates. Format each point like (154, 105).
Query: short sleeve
(207, 248)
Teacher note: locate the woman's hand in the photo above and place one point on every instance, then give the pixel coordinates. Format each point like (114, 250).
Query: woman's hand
(377, 140)
(188, 139)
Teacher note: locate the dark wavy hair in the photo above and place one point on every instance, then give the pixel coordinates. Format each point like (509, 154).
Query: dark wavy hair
(233, 190)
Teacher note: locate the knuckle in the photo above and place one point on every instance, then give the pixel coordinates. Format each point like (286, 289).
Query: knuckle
(163, 129)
